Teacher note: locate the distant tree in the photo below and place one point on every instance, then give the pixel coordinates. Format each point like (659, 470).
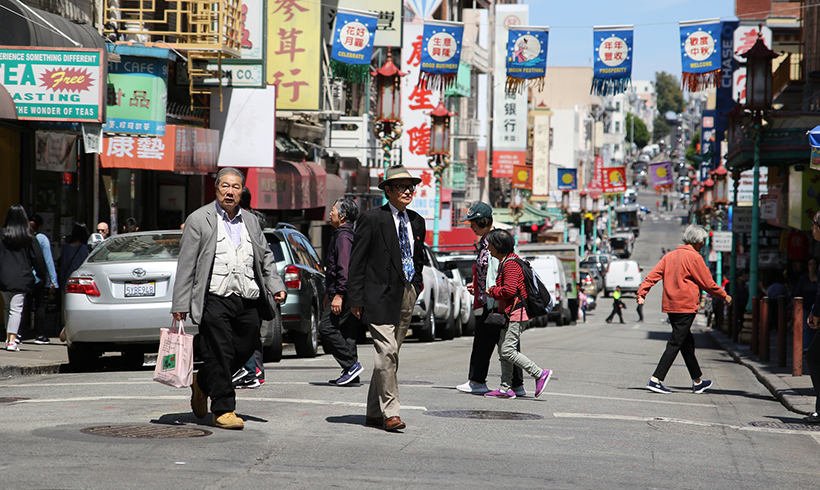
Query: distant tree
(641, 138)
(692, 150)
(670, 95)
(660, 129)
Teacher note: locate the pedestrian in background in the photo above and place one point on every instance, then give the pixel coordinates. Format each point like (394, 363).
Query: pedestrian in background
(684, 274)
(102, 229)
(73, 253)
(807, 289)
(385, 280)
(511, 294)
(35, 300)
(21, 255)
(226, 279)
(338, 327)
(485, 337)
(131, 225)
(582, 305)
(617, 306)
(813, 351)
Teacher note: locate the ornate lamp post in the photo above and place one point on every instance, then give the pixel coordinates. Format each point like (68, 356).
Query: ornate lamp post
(438, 157)
(583, 223)
(721, 198)
(706, 202)
(565, 207)
(387, 126)
(758, 99)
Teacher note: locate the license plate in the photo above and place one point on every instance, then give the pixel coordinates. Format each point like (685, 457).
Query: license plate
(139, 289)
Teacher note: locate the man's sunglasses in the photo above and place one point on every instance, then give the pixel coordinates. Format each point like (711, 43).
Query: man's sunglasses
(402, 187)
(102, 230)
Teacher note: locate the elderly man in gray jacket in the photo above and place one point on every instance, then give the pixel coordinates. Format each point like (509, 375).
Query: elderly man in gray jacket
(226, 280)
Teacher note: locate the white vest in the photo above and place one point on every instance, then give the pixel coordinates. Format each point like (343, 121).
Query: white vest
(233, 266)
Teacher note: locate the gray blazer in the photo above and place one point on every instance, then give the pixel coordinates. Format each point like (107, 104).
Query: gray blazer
(196, 259)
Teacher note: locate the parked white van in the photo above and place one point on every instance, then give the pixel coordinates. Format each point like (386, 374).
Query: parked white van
(551, 272)
(624, 273)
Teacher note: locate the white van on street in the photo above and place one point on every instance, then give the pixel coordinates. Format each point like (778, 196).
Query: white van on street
(551, 272)
(623, 273)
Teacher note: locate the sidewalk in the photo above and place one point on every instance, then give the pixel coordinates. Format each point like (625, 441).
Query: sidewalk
(33, 359)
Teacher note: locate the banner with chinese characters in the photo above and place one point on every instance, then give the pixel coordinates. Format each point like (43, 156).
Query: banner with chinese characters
(700, 54)
(183, 149)
(509, 110)
(614, 180)
(389, 15)
(440, 53)
(540, 154)
(522, 177)
(612, 71)
(62, 84)
(137, 96)
(295, 53)
(661, 173)
(416, 104)
(567, 179)
(352, 44)
(526, 57)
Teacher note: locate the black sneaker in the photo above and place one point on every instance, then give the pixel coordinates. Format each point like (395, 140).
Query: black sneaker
(812, 419)
(249, 381)
(354, 381)
(42, 340)
(237, 376)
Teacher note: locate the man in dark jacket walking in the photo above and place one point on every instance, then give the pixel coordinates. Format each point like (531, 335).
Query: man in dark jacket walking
(338, 328)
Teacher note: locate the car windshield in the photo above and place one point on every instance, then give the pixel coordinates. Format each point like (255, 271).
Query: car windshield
(276, 246)
(158, 246)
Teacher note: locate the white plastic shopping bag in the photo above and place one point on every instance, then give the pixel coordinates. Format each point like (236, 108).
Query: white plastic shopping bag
(175, 360)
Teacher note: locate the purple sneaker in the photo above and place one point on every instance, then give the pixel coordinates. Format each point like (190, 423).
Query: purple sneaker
(500, 394)
(542, 382)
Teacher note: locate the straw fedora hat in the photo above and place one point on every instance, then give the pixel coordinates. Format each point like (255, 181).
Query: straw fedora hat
(397, 172)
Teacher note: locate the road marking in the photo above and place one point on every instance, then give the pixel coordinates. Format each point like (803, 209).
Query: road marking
(632, 418)
(615, 398)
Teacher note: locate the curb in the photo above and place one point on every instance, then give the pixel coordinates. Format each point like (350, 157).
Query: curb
(11, 371)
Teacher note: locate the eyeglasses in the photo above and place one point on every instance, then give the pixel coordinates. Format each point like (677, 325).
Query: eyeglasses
(102, 230)
(402, 187)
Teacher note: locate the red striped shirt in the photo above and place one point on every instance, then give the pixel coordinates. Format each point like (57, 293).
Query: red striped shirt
(509, 285)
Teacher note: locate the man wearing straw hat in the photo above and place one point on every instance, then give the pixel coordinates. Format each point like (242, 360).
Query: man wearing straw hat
(383, 284)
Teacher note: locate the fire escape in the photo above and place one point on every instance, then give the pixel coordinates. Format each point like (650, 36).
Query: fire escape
(207, 31)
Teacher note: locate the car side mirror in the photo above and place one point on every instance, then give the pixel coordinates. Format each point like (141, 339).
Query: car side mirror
(94, 240)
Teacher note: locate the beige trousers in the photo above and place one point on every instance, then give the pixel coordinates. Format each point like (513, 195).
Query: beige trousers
(383, 396)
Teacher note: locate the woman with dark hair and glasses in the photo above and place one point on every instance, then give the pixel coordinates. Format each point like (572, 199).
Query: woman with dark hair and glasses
(813, 352)
(20, 254)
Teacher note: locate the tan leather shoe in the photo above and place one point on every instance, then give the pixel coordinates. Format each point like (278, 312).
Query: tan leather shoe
(229, 420)
(199, 400)
(393, 424)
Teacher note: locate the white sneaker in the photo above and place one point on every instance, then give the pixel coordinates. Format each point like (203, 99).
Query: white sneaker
(519, 390)
(474, 388)
(12, 346)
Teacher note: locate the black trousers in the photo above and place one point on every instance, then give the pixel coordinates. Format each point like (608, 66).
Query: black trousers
(228, 336)
(485, 342)
(640, 312)
(616, 309)
(813, 363)
(681, 341)
(338, 334)
(35, 302)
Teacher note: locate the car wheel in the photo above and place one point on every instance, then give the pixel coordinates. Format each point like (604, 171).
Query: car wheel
(81, 358)
(307, 344)
(428, 330)
(560, 320)
(469, 327)
(273, 352)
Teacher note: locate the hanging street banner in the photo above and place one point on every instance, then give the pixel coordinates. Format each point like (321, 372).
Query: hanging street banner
(440, 54)
(137, 96)
(352, 49)
(509, 109)
(522, 177)
(48, 84)
(294, 41)
(416, 103)
(814, 141)
(526, 58)
(540, 154)
(387, 12)
(614, 180)
(661, 173)
(700, 54)
(612, 70)
(567, 179)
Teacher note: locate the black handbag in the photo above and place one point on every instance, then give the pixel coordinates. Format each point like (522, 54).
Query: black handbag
(496, 319)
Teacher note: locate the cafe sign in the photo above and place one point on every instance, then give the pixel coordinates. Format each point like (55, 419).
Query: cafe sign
(54, 85)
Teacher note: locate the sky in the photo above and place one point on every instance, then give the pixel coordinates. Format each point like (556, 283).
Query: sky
(657, 35)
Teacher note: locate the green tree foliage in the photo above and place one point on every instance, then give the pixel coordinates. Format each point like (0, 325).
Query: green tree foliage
(641, 138)
(692, 150)
(670, 95)
(660, 129)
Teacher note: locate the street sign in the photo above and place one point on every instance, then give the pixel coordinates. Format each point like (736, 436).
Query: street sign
(722, 241)
(742, 219)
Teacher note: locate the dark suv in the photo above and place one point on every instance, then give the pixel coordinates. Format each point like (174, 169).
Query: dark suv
(301, 269)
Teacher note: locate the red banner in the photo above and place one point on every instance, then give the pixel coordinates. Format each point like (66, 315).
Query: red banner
(522, 177)
(505, 161)
(614, 180)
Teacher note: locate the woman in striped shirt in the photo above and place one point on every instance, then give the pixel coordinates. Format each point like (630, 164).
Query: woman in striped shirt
(511, 292)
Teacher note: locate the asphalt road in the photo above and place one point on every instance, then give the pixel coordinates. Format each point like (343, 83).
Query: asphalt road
(596, 426)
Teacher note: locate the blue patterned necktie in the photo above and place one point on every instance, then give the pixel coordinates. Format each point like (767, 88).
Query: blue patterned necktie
(404, 243)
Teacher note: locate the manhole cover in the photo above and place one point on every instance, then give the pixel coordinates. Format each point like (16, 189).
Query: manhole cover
(146, 431)
(12, 399)
(769, 424)
(484, 415)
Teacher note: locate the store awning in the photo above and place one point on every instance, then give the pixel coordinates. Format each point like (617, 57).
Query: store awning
(22, 27)
(289, 186)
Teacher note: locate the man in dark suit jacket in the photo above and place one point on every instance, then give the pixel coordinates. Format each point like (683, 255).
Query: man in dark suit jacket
(384, 282)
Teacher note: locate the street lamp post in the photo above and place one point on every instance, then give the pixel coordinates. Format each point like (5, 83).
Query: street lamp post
(565, 207)
(721, 198)
(438, 158)
(583, 223)
(708, 195)
(387, 126)
(758, 99)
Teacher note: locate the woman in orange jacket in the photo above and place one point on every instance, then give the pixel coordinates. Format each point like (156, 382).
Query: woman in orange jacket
(684, 274)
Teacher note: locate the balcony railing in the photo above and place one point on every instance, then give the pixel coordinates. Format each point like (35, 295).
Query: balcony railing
(790, 70)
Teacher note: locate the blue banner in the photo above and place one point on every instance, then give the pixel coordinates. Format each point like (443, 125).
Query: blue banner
(352, 50)
(440, 54)
(700, 54)
(567, 179)
(612, 69)
(527, 52)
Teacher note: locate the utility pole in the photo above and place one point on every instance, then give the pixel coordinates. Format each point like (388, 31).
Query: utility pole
(485, 188)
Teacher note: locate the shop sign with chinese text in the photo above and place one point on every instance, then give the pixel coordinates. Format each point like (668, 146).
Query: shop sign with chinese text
(183, 149)
(54, 85)
(614, 180)
(294, 51)
(137, 96)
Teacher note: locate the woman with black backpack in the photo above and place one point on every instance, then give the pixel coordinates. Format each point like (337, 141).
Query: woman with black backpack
(20, 255)
(511, 293)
